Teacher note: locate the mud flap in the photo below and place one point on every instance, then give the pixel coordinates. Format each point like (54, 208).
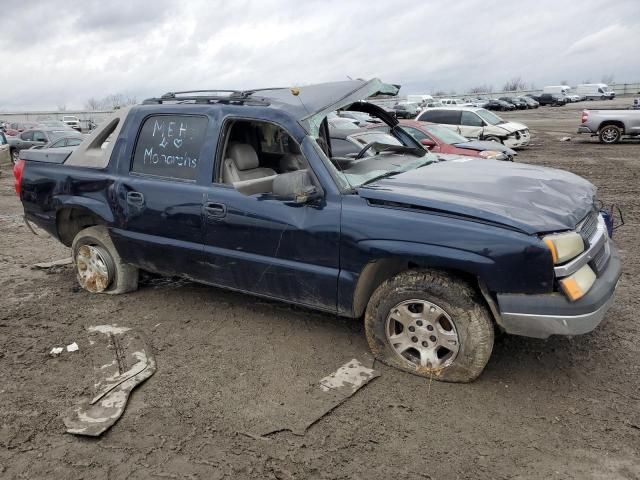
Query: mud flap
(121, 361)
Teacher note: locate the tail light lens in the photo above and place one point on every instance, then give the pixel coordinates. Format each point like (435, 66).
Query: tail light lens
(18, 168)
(585, 116)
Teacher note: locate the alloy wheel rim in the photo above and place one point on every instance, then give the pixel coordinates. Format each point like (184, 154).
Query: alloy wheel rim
(94, 268)
(422, 333)
(610, 134)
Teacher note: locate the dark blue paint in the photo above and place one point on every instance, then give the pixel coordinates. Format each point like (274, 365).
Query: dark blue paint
(310, 254)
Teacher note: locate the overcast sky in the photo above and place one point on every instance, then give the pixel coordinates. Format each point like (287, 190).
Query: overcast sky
(64, 52)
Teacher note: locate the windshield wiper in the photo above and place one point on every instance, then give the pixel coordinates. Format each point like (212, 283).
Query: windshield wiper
(380, 177)
(394, 172)
(417, 151)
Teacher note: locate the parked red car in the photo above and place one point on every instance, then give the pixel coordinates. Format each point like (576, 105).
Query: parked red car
(439, 139)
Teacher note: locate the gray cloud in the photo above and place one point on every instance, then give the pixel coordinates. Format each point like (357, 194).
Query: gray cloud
(56, 54)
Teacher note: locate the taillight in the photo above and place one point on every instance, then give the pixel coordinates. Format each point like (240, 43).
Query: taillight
(18, 168)
(585, 116)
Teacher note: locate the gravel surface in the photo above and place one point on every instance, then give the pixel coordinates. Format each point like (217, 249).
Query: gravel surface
(231, 365)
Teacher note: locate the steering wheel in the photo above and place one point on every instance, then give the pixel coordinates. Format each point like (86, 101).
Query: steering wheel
(364, 150)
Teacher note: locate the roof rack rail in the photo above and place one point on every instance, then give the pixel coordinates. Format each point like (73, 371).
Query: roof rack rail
(233, 97)
(172, 95)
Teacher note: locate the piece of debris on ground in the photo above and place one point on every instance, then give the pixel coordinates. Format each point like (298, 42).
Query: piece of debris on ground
(121, 361)
(54, 263)
(299, 413)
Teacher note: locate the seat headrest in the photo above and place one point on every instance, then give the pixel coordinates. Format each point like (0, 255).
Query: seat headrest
(290, 162)
(243, 155)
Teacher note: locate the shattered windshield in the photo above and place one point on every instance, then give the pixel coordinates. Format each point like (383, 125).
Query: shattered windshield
(374, 155)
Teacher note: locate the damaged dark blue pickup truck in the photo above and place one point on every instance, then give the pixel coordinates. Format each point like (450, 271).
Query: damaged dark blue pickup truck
(239, 189)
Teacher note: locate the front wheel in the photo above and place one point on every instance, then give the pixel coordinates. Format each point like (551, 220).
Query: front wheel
(15, 156)
(610, 134)
(492, 138)
(430, 324)
(99, 267)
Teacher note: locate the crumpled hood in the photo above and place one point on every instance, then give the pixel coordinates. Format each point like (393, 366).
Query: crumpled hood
(525, 197)
(511, 127)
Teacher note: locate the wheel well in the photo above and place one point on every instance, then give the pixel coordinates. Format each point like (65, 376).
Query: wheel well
(378, 271)
(617, 123)
(71, 220)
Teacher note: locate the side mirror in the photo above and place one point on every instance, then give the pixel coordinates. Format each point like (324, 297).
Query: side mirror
(295, 186)
(427, 142)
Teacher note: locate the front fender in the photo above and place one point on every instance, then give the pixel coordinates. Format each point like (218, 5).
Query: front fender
(392, 257)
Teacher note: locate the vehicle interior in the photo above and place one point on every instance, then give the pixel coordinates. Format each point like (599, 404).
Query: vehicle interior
(262, 158)
(258, 156)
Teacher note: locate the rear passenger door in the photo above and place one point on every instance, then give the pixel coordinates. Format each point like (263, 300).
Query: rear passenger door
(158, 196)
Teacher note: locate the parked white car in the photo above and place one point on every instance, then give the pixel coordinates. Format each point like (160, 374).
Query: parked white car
(452, 102)
(472, 122)
(72, 121)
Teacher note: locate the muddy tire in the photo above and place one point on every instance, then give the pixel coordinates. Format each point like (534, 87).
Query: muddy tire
(99, 268)
(430, 324)
(610, 134)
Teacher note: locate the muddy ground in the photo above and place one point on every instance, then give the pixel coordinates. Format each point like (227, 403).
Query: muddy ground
(232, 366)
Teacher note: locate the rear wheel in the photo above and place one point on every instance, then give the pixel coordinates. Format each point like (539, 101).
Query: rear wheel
(15, 155)
(99, 267)
(430, 324)
(610, 134)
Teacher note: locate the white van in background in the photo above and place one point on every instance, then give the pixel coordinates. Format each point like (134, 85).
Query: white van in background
(559, 89)
(595, 91)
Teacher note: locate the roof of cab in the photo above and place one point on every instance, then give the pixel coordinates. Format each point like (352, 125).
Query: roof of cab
(308, 104)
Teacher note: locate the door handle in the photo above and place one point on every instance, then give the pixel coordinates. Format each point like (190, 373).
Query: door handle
(215, 210)
(135, 198)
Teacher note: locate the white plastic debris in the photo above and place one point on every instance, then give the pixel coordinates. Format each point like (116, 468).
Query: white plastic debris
(55, 351)
(73, 347)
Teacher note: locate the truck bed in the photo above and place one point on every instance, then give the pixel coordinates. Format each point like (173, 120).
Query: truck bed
(46, 155)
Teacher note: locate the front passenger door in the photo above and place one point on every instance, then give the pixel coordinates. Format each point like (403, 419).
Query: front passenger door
(470, 125)
(274, 247)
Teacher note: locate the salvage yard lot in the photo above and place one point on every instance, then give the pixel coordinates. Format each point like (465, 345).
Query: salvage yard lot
(233, 367)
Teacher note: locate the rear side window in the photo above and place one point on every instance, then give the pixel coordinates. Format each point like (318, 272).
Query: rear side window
(26, 136)
(169, 146)
(447, 117)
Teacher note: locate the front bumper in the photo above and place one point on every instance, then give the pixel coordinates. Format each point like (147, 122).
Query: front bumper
(521, 140)
(543, 315)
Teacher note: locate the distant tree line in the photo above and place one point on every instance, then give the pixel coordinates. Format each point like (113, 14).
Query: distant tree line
(112, 101)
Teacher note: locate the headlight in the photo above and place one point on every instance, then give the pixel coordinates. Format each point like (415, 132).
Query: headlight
(576, 285)
(564, 246)
(489, 154)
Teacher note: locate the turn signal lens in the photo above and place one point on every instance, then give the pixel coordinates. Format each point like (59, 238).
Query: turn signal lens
(576, 285)
(564, 246)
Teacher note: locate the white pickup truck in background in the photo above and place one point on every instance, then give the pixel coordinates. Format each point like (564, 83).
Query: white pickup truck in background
(611, 125)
